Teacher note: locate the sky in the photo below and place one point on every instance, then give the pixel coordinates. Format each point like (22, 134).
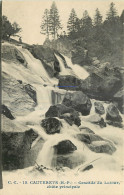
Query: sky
(28, 13)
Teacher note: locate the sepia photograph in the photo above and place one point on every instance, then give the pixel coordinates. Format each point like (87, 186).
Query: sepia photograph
(62, 97)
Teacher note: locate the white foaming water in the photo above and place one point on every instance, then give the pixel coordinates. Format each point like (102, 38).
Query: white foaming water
(63, 70)
(35, 65)
(104, 165)
(77, 69)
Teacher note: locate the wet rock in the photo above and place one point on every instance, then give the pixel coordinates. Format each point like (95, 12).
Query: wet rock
(15, 97)
(11, 53)
(7, 112)
(112, 113)
(78, 101)
(96, 119)
(16, 143)
(87, 168)
(88, 138)
(51, 125)
(31, 92)
(65, 147)
(58, 110)
(115, 124)
(69, 82)
(68, 114)
(99, 108)
(86, 130)
(71, 118)
(102, 147)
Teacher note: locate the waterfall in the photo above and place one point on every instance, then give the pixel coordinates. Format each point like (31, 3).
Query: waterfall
(47, 95)
(36, 66)
(58, 96)
(73, 69)
(63, 70)
(77, 69)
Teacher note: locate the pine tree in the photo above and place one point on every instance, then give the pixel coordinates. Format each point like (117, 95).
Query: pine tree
(112, 22)
(45, 23)
(97, 18)
(112, 13)
(54, 20)
(86, 23)
(71, 25)
(9, 29)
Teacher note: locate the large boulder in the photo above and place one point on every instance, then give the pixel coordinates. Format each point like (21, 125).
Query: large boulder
(61, 111)
(112, 113)
(79, 101)
(96, 143)
(69, 82)
(102, 147)
(58, 110)
(101, 86)
(71, 118)
(15, 97)
(96, 119)
(88, 138)
(12, 54)
(16, 143)
(65, 147)
(99, 108)
(51, 125)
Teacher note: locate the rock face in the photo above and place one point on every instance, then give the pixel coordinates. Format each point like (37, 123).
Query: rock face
(101, 85)
(11, 53)
(113, 114)
(79, 101)
(65, 147)
(99, 108)
(16, 142)
(69, 82)
(15, 97)
(80, 56)
(51, 125)
(119, 98)
(6, 112)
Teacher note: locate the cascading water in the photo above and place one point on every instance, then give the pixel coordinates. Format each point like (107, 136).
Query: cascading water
(36, 75)
(78, 70)
(73, 69)
(63, 70)
(35, 65)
